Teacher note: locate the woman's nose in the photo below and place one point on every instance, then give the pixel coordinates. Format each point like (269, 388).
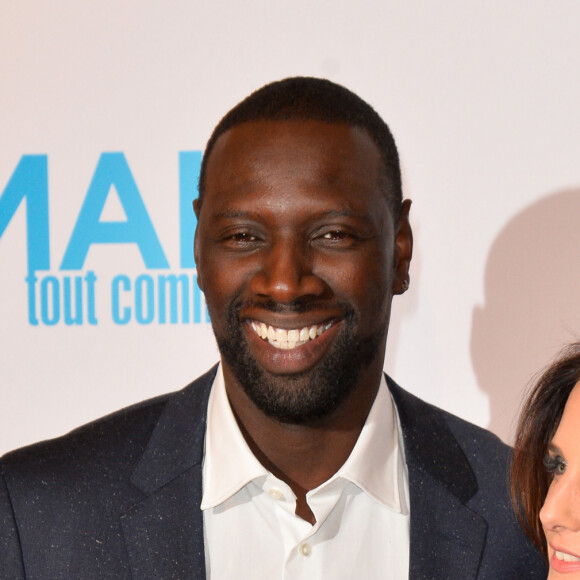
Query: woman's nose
(561, 507)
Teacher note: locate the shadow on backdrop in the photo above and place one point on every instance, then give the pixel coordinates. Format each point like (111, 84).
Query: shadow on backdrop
(532, 303)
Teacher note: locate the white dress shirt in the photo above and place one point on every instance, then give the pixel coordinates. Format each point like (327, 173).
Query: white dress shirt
(362, 512)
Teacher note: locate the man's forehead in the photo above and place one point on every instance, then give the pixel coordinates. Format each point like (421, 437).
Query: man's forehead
(323, 166)
(250, 141)
(260, 128)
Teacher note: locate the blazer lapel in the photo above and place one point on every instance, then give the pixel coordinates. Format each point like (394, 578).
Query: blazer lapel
(447, 538)
(164, 530)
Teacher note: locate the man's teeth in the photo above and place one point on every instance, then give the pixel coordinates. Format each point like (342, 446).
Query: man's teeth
(287, 339)
(566, 557)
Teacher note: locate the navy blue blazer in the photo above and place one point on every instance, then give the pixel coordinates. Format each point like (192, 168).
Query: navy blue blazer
(120, 497)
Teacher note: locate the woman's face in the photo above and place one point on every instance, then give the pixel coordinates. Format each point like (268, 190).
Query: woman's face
(560, 513)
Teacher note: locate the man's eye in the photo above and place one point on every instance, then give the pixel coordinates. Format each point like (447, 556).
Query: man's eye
(555, 464)
(242, 237)
(335, 235)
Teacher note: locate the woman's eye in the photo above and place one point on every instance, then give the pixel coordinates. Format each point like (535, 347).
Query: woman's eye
(555, 464)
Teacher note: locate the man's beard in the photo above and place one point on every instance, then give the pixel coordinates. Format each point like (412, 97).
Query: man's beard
(300, 398)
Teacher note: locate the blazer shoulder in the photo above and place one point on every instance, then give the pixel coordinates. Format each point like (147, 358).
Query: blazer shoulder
(63, 501)
(122, 434)
(472, 464)
(414, 410)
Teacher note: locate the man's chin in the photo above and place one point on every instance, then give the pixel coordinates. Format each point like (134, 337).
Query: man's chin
(297, 399)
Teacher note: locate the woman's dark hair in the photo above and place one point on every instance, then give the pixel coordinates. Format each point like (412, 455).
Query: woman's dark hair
(538, 422)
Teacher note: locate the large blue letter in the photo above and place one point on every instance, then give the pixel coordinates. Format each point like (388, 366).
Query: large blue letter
(189, 166)
(113, 170)
(30, 181)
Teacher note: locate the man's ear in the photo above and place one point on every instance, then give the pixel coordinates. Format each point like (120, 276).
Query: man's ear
(196, 207)
(196, 210)
(403, 250)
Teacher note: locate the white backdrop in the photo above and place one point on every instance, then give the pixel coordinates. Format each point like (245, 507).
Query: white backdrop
(110, 96)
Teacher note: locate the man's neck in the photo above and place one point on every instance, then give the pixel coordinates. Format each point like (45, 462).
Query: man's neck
(304, 456)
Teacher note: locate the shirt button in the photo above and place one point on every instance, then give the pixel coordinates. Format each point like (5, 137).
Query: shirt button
(305, 549)
(275, 493)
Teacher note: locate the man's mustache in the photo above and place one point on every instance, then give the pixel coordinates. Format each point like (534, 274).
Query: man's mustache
(299, 306)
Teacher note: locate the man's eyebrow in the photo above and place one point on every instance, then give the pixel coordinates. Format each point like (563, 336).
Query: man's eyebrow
(344, 213)
(233, 213)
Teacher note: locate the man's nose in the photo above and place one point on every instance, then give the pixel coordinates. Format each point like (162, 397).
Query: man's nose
(285, 273)
(561, 509)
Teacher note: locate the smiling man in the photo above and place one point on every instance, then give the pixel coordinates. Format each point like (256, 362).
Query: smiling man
(295, 457)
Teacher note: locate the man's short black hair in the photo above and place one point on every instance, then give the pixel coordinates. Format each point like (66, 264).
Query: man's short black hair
(308, 98)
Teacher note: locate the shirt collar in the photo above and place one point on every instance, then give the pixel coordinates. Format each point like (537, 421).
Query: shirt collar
(376, 464)
(228, 463)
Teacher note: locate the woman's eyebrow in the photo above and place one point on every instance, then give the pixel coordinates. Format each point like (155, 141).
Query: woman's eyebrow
(554, 448)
